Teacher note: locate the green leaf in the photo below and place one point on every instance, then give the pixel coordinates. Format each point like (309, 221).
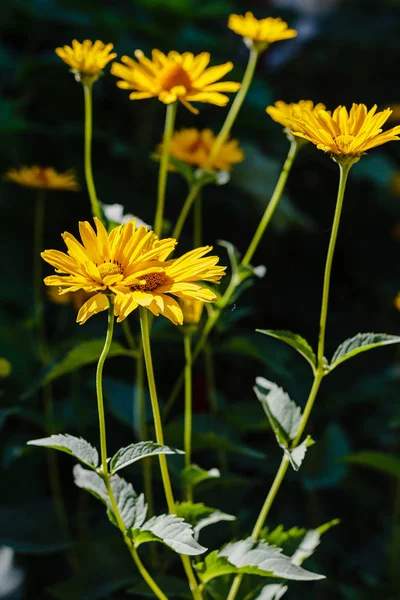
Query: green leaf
(80, 356)
(132, 507)
(361, 343)
(134, 452)
(296, 341)
(297, 542)
(283, 414)
(275, 591)
(296, 456)
(268, 560)
(386, 463)
(172, 531)
(200, 516)
(77, 447)
(192, 475)
(252, 557)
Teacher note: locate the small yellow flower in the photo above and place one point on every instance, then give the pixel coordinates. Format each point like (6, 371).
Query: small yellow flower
(283, 113)
(5, 367)
(260, 32)
(346, 135)
(173, 76)
(131, 265)
(193, 146)
(43, 178)
(192, 310)
(86, 59)
(77, 299)
(396, 301)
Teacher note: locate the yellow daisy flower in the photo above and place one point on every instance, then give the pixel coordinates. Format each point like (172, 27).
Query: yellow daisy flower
(131, 264)
(192, 310)
(283, 113)
(75, 298)
(173, 76)
(86, 59)
(193, 146)
(345, 134)
(260, 32)
(43, 178)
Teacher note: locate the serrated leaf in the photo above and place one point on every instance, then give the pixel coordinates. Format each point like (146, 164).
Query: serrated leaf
(296, 456)
(213, 566)
(268, 560)
(283, 414)
(275, 591)
(77, 447)
(192, 475)
(134, 452)
(361, 343)
(385, 463)
(200, 516)
(132, 507)
(172, 531)
(296, 341)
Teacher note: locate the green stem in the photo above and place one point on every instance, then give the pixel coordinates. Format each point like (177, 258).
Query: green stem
(99, 386)
(88, 94)
(190, 198)
(273, 203)
(197, 222)
(144, 323)
(128, 335)
(344, 172)
(318, 374)
(188, 408)
(103, 449)
(163, 172)
(235, 107)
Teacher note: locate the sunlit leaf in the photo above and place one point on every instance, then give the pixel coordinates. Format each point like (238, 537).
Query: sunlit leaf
(172, 531)
(361, 343)
(283, 414)
(77, 447)
(134, 452)
(200, 516)
(275, 591)
(132, 507)
(296, 341)
(192, 475)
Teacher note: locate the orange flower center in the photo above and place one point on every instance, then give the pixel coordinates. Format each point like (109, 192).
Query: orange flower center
(109, 268)
(174, 75)
(149, 282)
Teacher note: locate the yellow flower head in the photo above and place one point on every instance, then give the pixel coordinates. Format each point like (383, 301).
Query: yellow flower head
(173, 76)
(192, 310)
(193, 146)
(283, 113)
(345, 134)
(260, 32)
(86, 59)
(131, 265)
(43, 178)
(5, 367)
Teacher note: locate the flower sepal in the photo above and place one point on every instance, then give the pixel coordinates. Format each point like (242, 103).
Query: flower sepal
(346, 160)
(203, 177)
(255, 45)
(85, 78)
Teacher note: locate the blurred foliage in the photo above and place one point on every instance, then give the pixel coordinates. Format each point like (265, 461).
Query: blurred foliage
(347, 53)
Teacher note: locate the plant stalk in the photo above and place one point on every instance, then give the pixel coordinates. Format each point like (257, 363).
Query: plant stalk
(163, 172)
(94, 202)
(188, 408)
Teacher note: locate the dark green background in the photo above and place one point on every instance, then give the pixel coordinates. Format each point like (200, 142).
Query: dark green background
(353, 56)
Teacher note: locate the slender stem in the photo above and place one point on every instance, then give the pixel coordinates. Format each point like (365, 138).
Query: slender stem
(87, 91)
(269, 211)
(141, 403)
(235, 107)
(188, 408)
(104, 466)
(144, 323)
(128, 334)
(163, 172)
(190, 198)
(318, 374)
(197, 222)
(344, 172)
(99, 386)
(38, 278)
(224, 301)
